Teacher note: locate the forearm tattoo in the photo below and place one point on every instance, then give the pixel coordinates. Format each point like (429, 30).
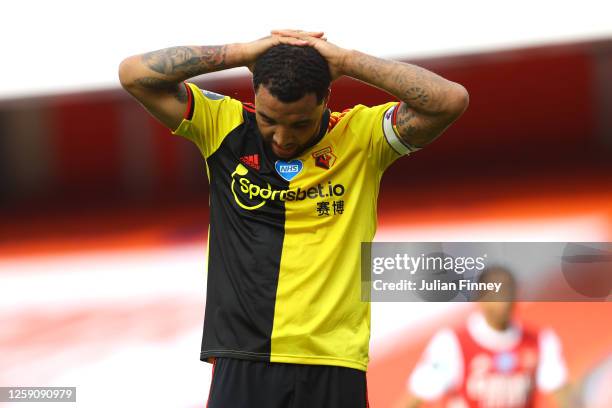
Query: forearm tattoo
(417, 95)
(423, 113)
(419, 89)
(180, 63)
(177, 64)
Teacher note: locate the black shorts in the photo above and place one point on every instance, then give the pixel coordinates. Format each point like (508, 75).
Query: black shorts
(257, 384)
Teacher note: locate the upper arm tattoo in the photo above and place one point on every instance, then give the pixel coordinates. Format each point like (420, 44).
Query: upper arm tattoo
(418, 129)
(406, 121)
(411, 128)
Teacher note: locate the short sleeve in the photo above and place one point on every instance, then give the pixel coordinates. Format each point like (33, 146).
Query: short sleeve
(209, 118)
(552, 370)
(385, 144)
(440, 368)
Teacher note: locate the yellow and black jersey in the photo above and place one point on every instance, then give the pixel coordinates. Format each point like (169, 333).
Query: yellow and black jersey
(285, 236)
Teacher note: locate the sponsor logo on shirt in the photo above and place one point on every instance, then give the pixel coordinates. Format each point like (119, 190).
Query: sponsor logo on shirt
(496, 381)
(251, 196)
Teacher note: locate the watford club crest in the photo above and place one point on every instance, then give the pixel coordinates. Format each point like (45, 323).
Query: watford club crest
(324, 158)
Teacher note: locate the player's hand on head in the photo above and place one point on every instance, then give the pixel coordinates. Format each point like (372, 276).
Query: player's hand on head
(252, 50)
(334, 55)
(300, 34)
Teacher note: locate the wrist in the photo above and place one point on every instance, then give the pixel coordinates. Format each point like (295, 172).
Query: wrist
(236, 55)
(345, 64)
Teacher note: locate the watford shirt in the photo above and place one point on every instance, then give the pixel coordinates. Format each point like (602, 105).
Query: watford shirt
(284, 270)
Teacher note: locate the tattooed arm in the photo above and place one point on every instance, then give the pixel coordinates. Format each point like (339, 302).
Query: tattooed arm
(429, 104)
(155, 78)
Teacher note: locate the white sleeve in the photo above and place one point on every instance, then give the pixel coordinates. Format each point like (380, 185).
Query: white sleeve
(439, 369)
(552, 371)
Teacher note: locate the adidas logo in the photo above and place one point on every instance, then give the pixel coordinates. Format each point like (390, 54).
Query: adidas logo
(251, 160)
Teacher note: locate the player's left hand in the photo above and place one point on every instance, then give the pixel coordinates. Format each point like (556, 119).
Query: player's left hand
(335, 56)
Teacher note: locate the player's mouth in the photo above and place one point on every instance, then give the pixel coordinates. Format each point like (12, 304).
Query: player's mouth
(284, 152)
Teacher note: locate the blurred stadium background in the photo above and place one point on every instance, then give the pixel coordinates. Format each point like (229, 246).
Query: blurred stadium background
(103, 213)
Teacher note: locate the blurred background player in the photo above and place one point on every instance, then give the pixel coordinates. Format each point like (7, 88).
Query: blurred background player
(491, 360)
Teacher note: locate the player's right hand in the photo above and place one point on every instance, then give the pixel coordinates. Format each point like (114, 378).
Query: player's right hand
(250, 51)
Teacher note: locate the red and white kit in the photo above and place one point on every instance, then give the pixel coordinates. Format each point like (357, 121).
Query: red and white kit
(477, 366)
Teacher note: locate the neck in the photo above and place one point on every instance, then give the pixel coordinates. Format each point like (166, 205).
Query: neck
(499, 325)
(324, 121)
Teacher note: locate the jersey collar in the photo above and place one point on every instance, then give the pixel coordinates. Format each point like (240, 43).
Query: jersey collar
(490, 338)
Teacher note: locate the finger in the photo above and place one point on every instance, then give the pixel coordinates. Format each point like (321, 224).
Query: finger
(280, 33)
(317, 34)
(292, 41)
(288, 33)
(297, 33)
(310, 39)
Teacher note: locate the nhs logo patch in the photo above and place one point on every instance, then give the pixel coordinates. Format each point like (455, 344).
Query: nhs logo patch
(288, 169)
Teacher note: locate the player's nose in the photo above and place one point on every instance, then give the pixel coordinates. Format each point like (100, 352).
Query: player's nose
(283, 139)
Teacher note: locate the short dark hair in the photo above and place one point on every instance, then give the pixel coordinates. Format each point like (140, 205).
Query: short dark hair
(289, 72)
